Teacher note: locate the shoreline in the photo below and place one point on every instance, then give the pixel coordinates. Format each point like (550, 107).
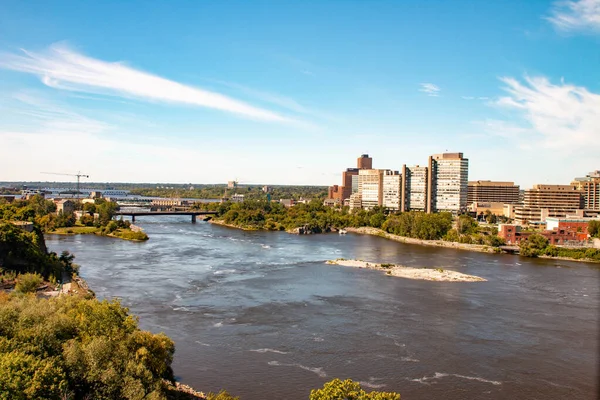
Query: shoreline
(221, 223)
(93, 233)
(480, 248)
(401, 271)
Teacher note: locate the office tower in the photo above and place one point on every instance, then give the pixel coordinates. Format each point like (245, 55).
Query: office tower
(448, 176)
(414, 188)
(370, 187)
(590, 188)
(492, 192)
(544, 201)
(392, 190)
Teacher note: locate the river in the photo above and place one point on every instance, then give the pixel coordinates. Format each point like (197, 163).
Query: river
(261, 315)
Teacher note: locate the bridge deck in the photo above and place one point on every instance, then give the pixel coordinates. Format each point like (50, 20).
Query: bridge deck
(138, 213)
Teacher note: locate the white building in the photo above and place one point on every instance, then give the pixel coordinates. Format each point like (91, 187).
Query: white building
(414, 184)
(392, 190)
(370, 187)
(449, 180)
(355, 201)
(237, 198)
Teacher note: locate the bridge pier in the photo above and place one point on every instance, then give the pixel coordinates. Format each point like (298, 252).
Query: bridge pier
(193, 218)
(132, 218)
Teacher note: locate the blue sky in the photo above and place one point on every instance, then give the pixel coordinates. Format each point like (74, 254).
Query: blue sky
(292, 92)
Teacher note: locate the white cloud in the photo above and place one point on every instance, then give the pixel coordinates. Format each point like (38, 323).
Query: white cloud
(563, 117)
(576, 15)
(431, 89)
(468, 97)
(273, 98)
(62, 68)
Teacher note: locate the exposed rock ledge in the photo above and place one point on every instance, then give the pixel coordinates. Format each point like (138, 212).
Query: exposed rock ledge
(427, 274)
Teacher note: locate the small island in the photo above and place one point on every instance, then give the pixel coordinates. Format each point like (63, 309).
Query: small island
(426, 274)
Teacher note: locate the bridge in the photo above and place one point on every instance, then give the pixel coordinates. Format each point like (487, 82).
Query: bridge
(193, 214)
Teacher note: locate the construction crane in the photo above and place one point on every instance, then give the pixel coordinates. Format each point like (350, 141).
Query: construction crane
(78, 175)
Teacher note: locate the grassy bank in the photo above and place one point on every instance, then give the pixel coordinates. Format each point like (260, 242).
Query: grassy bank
(120, 233)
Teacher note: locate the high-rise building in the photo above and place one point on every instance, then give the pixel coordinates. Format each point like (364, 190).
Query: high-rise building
(590, 188)
(414, 188)
(355, 183)
(364, 162)
(492, 192)
(349, 184)
(392, 190)
(544, 201)
(448, 176)
(370, 187)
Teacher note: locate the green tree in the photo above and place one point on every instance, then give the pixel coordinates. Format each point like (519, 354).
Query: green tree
(106, 210)
(533, 246)
(466, 225)
(64, 220)
(348, 390)
(28, 283)
(490, 218)
(69, 347)
(594, 228)
(89, 207)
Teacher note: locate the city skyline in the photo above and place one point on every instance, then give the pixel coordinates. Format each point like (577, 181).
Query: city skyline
(291, 93)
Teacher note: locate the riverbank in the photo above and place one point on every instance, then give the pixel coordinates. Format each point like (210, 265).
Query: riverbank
(125, 234)
(452, 245)
(401, 271)
(221, 223)
(481, 248)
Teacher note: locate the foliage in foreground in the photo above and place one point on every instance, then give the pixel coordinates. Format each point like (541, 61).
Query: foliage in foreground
(72, 348)
(349, 390)
(537, 245)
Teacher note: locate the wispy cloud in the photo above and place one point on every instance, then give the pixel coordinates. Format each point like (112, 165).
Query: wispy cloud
(273, 98)
(62, 68)
(580, 15)
(431, 89)
(467, 97)
(557, 116)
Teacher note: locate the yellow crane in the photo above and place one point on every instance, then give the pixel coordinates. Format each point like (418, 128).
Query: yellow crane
(78, 175)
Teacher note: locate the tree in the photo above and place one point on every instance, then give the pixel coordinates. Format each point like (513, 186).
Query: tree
(64, 220)
(89, 207)
(70, 347)
(106, 210)
(348, 390)
(490, 218)
(533, 246)
(466, 225)
(594, 228)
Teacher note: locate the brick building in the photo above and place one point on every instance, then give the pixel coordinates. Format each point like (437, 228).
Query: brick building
(364, 162)
(349, 180)
(513, 235)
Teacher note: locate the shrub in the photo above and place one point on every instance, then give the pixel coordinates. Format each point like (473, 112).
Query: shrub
(131, 235)
(28, 283)
(87, 220)
(348, 390)
(69, 347)
(533, 246)
(222, 395)
(386, 265)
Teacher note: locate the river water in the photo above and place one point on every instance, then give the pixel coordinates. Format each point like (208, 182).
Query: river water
(260, 314)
